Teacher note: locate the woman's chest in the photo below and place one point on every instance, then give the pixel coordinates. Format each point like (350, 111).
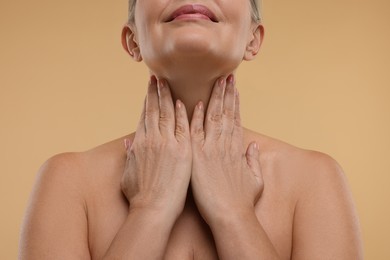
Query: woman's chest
(190, 237)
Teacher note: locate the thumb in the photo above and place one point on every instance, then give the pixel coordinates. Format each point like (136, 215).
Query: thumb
(197, 129)
(127, 143)
(252, 159)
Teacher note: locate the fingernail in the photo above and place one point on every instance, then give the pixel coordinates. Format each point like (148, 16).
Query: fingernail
(230, 79)
(161, 83)
(200, 105)
(126, 143)
(153, 79)
(178, 103)
(221, 81)
(256, 147)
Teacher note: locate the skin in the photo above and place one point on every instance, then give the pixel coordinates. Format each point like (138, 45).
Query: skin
(191, 182)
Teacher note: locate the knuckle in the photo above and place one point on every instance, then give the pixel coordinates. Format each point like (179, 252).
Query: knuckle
(197, 133)
(228, 113)
(163, 123)
(180, 129)
(165, 116)
(180, 137)
(198, 130)
(216, 118)
(149, 112)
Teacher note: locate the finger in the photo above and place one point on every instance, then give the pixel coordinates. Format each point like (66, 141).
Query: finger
(253, 162)
(197, 130)
(237, 113)
(182, 129)
(252, 159)
(228, 114)
(152, 113)
(127, 143)
(141, 124)
(167, 111)
(237, 128)
(213, 122)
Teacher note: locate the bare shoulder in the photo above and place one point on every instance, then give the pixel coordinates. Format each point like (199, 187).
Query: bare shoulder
(56, 221)
(325, 224)
(61, 169)
(82, 166)
(305, 166)
(78, 167)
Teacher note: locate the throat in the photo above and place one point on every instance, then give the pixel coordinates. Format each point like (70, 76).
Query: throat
(192, 91)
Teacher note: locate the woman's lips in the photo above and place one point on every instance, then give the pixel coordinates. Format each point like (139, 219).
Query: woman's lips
(192, 12)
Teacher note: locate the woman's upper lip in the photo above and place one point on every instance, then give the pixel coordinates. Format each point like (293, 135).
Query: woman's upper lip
(192, 9)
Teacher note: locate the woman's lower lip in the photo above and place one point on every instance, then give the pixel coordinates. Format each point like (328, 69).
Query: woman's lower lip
(195, 16)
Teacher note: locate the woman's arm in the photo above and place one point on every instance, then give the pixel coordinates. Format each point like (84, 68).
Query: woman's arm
(144, 235)
(55, 226)
(226, 180)
(155, 182)
(325, 222)
(156, 177)
(226, 183)
(239, 235)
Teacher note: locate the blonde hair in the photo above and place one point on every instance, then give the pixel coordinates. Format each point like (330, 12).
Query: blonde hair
(256, 17)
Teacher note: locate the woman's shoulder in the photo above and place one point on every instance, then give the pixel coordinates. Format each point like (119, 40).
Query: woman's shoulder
(79, 168)
(107, 153)
(303, 168)
(66, 187)
(282, 152)
(315, 184)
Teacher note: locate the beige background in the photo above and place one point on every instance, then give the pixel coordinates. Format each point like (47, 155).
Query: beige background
(321, 82)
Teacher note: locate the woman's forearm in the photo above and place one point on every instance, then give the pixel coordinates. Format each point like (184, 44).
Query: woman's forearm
(144, 235)
(241, 236)
(156, 176)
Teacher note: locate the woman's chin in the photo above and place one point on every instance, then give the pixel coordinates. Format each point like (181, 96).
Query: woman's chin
(191, 45)
(199, 64)
(193, 53)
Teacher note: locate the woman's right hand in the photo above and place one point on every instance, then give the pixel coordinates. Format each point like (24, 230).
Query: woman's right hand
(158, 166)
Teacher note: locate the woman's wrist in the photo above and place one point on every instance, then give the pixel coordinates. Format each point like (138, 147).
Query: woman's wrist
(233, 216)
(240, 235)
(144, 235)
(155, 213)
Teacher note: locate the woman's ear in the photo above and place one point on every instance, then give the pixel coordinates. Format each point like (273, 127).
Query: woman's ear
(254, 43)
(130, 44)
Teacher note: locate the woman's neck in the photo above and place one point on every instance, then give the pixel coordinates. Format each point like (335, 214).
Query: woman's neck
(192, 90)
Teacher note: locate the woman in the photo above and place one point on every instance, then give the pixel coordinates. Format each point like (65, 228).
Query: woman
(191, 182)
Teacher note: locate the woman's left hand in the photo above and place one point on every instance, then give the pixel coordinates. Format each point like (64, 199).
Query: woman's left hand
(226, 178)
